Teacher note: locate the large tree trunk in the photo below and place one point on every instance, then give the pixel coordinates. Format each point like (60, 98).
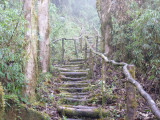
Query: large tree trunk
(43, 23)
(106, 24)
(31, 49)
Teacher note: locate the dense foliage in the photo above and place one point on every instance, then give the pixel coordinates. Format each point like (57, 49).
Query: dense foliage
(137, 41)
(11, 44)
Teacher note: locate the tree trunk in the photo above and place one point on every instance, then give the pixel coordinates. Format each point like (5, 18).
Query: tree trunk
(43, 23)
(31, 49)
(104, 11)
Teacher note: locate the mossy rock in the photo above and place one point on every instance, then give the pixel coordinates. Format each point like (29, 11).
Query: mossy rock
(16, 111)
(23, 113)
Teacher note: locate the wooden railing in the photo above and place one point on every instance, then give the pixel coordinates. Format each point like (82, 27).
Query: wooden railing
(128, 70)
(75, 46)
(63, 46)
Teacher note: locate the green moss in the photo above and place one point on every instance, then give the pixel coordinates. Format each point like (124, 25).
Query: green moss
(11, 99)
(133, 104)
(15, 110)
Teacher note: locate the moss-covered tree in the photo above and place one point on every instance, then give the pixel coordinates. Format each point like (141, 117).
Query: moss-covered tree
(43, 25)
(31, 49)
(104, 10)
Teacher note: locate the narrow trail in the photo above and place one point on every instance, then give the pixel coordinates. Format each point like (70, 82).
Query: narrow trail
(74, 92)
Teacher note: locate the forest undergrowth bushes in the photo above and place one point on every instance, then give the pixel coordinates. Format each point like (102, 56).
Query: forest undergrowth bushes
(115, 93)
(46, 93)
(11, 44)
(137, 42)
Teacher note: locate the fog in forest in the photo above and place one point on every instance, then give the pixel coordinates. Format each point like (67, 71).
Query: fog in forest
(80, 10)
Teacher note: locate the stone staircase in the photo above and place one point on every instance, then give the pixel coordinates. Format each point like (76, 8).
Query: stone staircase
(74, 92)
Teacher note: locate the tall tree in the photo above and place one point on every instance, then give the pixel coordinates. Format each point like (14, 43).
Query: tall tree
(43, 25)
(31, 49)
(104, 10)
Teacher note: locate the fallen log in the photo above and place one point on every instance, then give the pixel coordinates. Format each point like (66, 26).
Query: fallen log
(88, 112)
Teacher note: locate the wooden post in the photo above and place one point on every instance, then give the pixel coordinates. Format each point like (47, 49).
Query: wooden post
(97, 44)
(63, 50)
(80, 40)
(85, 54)
(104, 77)
(91, 64)
(76, 52)
(131, 96)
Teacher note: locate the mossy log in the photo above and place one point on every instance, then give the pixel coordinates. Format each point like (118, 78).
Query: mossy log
(82, 111)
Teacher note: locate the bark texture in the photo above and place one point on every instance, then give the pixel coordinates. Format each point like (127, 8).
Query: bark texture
(131, 96)
(43, 23)
(31, 49)
(104, 11)
(119, 10)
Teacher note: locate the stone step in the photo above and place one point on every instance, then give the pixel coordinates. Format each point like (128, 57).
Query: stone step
(64, 78)
(78, 81)
(75, 89)
(74, 100)
(77, 93)
(73, 94)
(70, 66)
(74, 74)
(82, 111)
(72, 119)
(74, 84)
(76, 60)
(76, 96)
(71, 70)
(75, 63)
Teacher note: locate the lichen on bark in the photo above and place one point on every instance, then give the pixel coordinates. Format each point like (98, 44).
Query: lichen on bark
(30, 70)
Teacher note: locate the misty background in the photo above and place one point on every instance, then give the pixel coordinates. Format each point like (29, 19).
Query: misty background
(75, 15)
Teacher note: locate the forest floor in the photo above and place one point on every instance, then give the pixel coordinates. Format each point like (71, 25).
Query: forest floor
(115, 101)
